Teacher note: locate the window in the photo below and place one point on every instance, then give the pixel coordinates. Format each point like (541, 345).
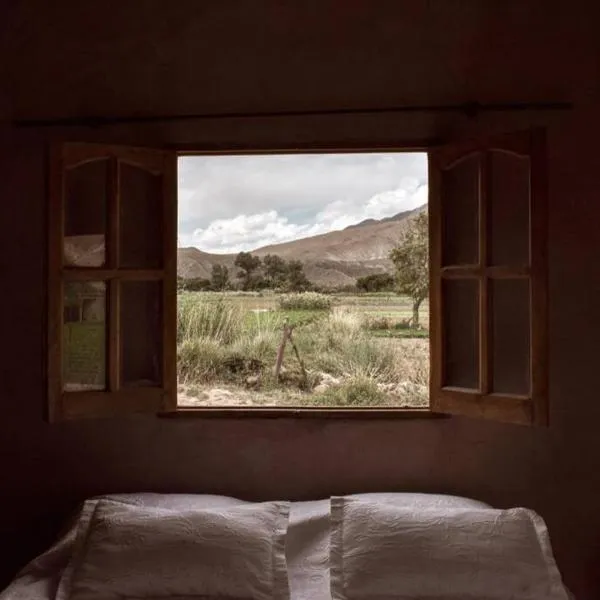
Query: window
(488, 280)
(113, 281)
(289, 293)
(111, 277)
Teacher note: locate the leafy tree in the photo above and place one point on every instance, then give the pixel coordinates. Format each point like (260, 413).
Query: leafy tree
(378, 282)
(275, 270)
(197, 284)
(296, 278)
(181, 284)
(411, 259)
(219, 278)
(248, 266)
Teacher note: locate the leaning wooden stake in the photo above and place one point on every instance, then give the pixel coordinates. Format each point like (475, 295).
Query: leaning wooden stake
(287, 332)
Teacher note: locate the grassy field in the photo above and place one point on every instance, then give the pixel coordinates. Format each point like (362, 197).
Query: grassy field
(355, 350)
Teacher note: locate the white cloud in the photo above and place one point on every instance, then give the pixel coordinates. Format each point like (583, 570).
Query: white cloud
(246, 232)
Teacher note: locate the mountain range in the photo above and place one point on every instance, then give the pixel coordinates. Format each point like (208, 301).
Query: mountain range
(331, 259)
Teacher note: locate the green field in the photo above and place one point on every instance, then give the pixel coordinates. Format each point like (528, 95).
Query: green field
(358, 351)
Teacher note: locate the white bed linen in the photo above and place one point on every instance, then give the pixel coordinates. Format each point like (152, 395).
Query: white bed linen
(395, 553)
(307, 542)
(149, 552)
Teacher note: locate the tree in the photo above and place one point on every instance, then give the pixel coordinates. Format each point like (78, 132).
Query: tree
(197, 284)
(249, 266)
(377, 282)
(296, 278)
(411, 259)
(219, 279)
(181, 284)
(275, 270)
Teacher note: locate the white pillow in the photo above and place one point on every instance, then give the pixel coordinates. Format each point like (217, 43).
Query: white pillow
(397, 553)
(125, 551)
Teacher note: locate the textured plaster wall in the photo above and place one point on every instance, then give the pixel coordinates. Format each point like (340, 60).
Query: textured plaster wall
(229, 56)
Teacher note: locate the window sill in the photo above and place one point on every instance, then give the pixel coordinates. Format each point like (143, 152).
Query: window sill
(302, 413)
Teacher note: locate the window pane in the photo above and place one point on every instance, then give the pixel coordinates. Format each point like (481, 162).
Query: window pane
(510, 336)
(84, 336)
(460, 300)
(141, 335)
(509, 209)
(460, 212)
(140, 218)
(85, 214)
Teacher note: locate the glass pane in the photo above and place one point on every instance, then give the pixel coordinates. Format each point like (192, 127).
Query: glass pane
(460, 299)
(510, 336)
(140, 218)
(460, 212)
(141, 334)
(509, 209)
(84, 336)
(85, 214)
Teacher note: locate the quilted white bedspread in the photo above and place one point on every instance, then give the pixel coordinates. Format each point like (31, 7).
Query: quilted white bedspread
(307, 543)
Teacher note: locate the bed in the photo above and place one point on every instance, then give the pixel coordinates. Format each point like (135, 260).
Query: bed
(388, 546)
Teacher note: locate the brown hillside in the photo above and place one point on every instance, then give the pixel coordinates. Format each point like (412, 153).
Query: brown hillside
(195, 264)
(333, 259)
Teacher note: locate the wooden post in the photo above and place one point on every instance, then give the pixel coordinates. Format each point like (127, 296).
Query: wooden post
(287, 332)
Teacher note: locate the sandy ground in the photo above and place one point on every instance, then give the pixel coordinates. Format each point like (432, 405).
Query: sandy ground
(234, 396)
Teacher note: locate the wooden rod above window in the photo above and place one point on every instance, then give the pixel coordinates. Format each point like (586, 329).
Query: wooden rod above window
(468, 109)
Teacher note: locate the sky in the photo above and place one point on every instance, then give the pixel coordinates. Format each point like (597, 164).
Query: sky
(229, 204)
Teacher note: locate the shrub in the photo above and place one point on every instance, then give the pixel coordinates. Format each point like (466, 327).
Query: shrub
(370, 358)
(356, 392)
(404, 324)
(378, 323)
(374, 323)
(338, 345)
(199, 360)
(305, 301)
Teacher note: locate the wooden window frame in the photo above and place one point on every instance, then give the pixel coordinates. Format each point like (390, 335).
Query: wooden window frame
(118, 401)
(532, 408)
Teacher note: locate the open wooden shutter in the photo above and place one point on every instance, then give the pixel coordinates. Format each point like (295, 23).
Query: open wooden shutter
(488, 222)
(111, 281)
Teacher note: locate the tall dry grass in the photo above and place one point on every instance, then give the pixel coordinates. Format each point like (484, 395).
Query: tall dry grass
(217, 320)
(219, 342)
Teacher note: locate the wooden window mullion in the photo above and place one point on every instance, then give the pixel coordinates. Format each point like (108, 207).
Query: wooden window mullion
(485, 363)
(169, 284)
(93, 274)
(437, 354)
(114, 336)
(56, 225)
(113, 237)
(114, 287)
